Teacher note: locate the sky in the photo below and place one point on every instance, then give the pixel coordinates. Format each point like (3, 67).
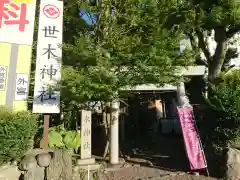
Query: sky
(89, 18)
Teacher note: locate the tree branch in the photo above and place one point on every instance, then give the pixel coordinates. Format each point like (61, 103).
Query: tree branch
(232, 30)
(201, 42)
(203, 45)
(196, 48)
(219, 52)
(192, 40)
(201, 61)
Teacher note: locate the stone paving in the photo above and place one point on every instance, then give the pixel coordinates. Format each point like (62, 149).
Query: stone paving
(147, 173)
(164, 159)
(133, 173)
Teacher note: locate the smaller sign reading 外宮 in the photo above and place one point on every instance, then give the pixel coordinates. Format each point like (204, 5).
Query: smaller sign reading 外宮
(21, 91)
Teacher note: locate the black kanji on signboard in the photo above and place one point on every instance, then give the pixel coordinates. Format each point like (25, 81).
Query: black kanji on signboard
(46, 94)
(50, 72)
(49, 51)
(49, 31)
(21, 81)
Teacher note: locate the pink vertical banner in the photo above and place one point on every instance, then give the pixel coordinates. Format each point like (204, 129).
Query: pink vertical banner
(191, 139)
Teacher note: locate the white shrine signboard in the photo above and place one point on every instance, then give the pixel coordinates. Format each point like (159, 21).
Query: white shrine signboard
(86, 137)
(49, 54)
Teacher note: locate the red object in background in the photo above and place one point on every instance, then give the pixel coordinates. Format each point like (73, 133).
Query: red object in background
(51, 11)
(9, 15)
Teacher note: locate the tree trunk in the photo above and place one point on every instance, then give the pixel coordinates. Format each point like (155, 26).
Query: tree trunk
(106, 149)
(217, 61)
(106, 121)
(214, 70)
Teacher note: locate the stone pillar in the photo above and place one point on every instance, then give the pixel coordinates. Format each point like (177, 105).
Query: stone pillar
(114, 133)
(182, 100)
(181, 95)
(86, 139)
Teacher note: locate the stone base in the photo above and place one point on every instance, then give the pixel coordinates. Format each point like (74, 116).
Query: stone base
(91, 167)
(113, 167)
(9, 172)
(82, 162)
(81, 172)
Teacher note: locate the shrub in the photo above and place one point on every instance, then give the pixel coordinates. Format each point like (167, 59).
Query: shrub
(61, 138)
(222, 118)
(17, 130)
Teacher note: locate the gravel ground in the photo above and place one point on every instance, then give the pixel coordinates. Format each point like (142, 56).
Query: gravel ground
(133, 173)
(164, 159)
(146, 173)
(188, 177)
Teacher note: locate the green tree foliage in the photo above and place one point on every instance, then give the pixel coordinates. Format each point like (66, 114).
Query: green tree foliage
(129, 45)
(222, 117)
(199, 19)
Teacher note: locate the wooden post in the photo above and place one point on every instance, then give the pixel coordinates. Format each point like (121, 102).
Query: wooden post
(46, 119)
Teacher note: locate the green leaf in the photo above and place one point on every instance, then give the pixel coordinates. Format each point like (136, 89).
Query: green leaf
(77, 142)
(55, 139)
(71, 140)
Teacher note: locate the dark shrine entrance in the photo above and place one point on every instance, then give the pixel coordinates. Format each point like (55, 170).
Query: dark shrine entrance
(152, 131)
(149, 128)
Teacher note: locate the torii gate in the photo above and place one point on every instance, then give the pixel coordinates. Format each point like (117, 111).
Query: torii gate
(182, 100)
